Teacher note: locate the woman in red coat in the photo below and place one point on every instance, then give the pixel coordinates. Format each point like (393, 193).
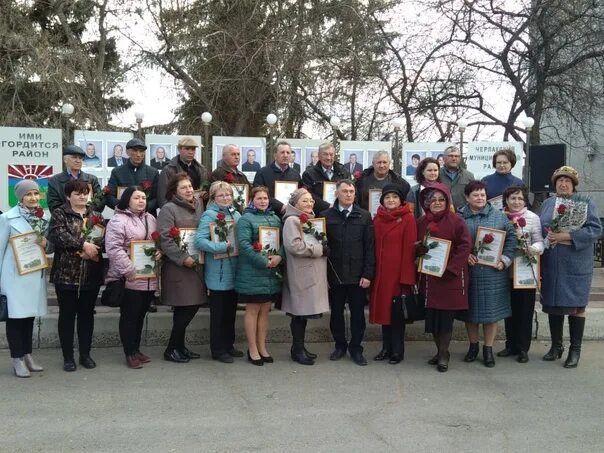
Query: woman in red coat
(448, 294)
(395, 232)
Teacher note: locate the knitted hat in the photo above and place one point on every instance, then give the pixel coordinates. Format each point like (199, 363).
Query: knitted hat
(25, 186)
(398, 189)
(296, 195)
(567, 171)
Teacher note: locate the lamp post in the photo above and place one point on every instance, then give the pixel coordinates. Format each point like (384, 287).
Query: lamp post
(334, 122)
(528, 124)
(67, 110)
(397, 154)
(461, 125)
(139, 121)
(271, 120)
(206, 157)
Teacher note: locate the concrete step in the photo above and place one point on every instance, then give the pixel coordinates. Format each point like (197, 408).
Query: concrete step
(158, 325)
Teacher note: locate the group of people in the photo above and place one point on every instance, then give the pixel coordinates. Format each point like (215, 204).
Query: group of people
(305, 270)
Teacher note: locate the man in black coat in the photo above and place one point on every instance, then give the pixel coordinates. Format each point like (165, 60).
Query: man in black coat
(376, 177)
(351, 266)
(327, 169)
(278, 170)
(185, 162)
(73, 157)
(134, 173)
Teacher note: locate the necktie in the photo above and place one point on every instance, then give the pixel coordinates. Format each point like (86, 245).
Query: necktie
(345, 212)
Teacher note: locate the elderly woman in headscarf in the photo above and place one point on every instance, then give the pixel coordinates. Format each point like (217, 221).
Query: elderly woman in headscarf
(571, 225)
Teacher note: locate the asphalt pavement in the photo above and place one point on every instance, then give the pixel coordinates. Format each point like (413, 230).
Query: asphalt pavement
(206, 406)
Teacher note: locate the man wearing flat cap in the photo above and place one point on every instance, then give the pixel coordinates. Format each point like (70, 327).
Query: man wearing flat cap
(134, 173)
(73, 157)
(184, 162)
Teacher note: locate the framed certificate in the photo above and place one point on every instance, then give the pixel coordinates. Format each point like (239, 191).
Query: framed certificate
(120, 191)
(145, 265)
(231, 237)
(29, 256)
(284, 189)
(269, 238)
(489, 245)
(329, 192)
(526, 275)
(319, 225)
(187, 237)
(374, 200)
(497, 202)
(435, 261)
(241, 191)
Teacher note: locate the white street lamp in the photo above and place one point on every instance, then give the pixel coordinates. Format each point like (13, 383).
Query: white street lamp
(206, 117)
(461, 125)
(334, 121)
(271, 119)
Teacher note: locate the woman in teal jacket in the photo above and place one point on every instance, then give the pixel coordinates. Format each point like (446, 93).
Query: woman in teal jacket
(220, 269)
(258, 279)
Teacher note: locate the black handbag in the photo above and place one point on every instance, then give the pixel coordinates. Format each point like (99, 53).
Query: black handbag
(114, 293)
(410, 308)
(3, 308)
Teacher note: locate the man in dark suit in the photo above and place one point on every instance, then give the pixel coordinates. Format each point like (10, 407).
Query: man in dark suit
(350, 270)
(353, 166)
(292, 162)
(118, 157)
(160, 160)
(251, 164)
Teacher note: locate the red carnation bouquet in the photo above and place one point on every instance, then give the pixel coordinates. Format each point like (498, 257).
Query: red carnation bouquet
(483, 245)
(150, 251)
(39, 224)
(309, 228)
(88, 228)
(523, 239)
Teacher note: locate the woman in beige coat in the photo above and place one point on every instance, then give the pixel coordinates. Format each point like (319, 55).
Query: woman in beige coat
(182, 278)
(305, 288)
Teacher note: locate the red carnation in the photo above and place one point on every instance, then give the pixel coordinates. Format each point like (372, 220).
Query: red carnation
(174, 232)
(146, 184)
(220, 216)
(522, 222)
(357, 174)
(229, 178)
(488, 238)
(39, 213)
(106, 189)
(95, 219)
(433, 227)
(562, 209)
(155, 235)
(257, 246)
(303, 218)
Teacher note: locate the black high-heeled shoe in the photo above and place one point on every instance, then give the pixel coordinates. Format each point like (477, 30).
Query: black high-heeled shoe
(472, 352)
(257, 362)
(309, 354)
(267, 359)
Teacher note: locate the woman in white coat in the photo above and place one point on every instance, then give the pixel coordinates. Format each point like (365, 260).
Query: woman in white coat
(25, 294)
(305, 288)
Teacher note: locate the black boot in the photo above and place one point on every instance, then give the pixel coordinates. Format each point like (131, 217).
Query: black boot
(298, 328)
(472, 352)
(444, 339)
(434, 359)
(487, 356)
(576, 326)
(556, 324)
